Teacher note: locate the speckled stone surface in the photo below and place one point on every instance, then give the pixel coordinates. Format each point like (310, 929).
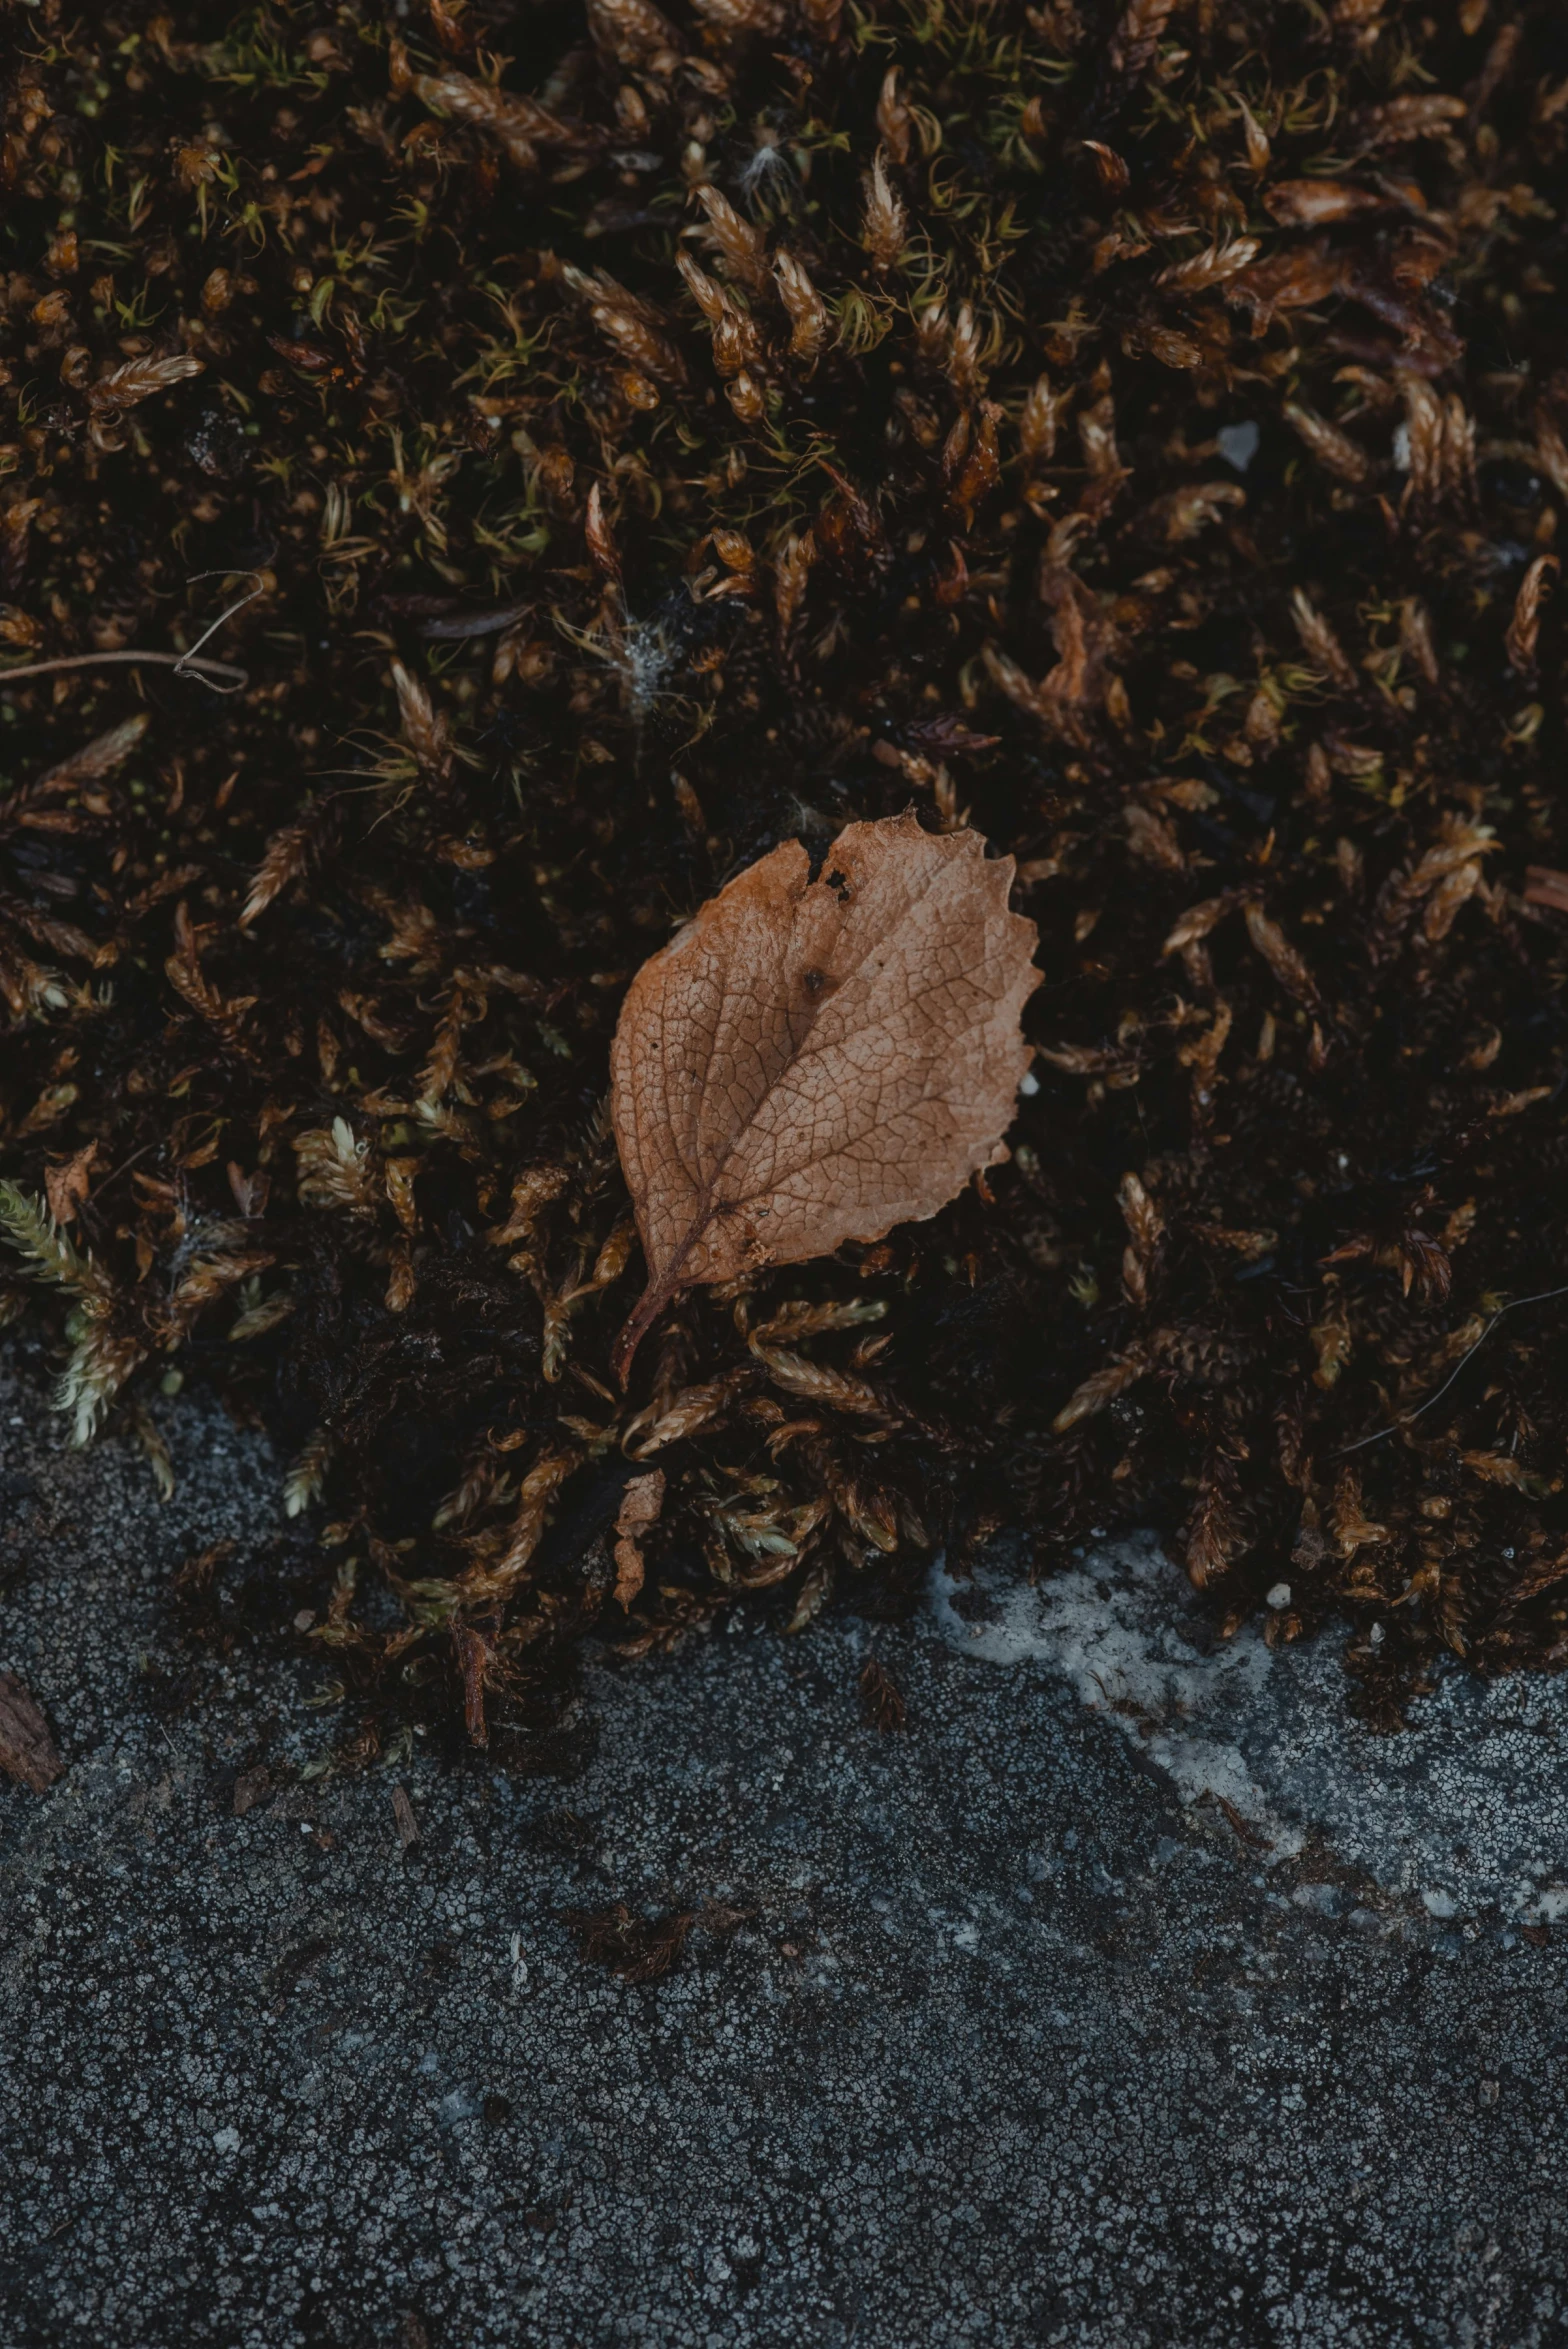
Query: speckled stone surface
(1469, 1811)
(1018, 2042)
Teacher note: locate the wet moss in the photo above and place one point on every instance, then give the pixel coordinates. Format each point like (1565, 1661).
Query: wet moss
(640, 439)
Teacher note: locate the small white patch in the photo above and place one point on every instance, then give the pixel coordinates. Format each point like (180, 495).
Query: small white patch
(1401, 448)
(1471, 1797)
(767, 162)
(1238, 444)
(1279, 1596)
(1028, 1082)
(1111, 1628)
(643, 661)
(226, 2140)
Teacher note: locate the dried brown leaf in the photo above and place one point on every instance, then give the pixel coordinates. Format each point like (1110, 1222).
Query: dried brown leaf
(671, 1422)
(1404, 119)
(882, 1697)
(1282, 958)
(1544, 885)
(1137, 37)
(1333, 449)
(886, 219)
(808, 315)
(1210, 267)
(742, 248)
(639, 1949)
(67, 1185)
(810, 1062)
(814, 1382)
(519, 126)
(424, 729)
(474, 1663)
(288, 854)
(1319, 642)
(1216, 1535)
(1524, 628)
(1101, 1387)
(632, 31)
(1189, 510)
(95, 759)
(27, 1751)
(791, 572)
(1308, 203)
(641, 1503)
(484, 1585)
(138, 379)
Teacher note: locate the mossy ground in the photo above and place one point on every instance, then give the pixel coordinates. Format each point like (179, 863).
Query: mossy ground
(1137, 433)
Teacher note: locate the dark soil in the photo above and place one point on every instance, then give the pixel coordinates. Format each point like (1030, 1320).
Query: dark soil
(1210, 578)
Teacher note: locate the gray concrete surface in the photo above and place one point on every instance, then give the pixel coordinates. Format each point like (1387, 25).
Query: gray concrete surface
(1018, 2040)
(1470, 1813)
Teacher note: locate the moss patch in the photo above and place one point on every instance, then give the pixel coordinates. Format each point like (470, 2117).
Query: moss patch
(1140, 434)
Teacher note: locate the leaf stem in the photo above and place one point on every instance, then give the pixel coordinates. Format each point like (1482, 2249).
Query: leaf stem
(655, 1298)
(186, 662)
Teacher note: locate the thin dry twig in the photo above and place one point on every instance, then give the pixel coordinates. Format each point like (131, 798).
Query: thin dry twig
(186, 664)
(1541, 1297)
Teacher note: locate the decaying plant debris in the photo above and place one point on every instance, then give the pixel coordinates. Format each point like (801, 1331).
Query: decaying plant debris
(1141, 434)
(27, 1751)
(810, 1062)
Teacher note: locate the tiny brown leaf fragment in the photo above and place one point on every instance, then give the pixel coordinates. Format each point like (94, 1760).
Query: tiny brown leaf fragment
(250, 1788)
(811, 1062)
(1524, 628)
(1281, 957)
(1215, 1536)
(881, 1696)
(403, 1818)
(1099, 1388)
(1308, 203)
(1544, 885)
(138, 379)
(639, 1949)
(67, 1185)
(519, 126)
(640, 1505)
(95, 759)
(1243, 1828)
(473, 1659)
(27, 1751)
(1137, 37)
